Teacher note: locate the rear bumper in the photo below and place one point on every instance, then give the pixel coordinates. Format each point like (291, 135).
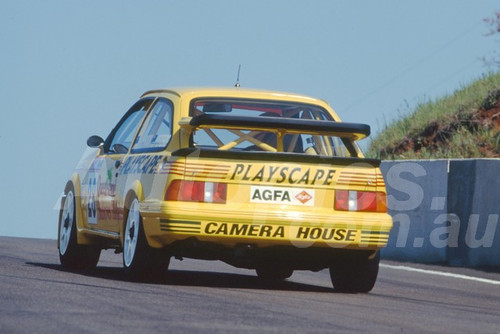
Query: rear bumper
(167, 222)
(252, 257)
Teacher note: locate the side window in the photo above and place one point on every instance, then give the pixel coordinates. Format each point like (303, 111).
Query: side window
(120, 139)
(156, 131)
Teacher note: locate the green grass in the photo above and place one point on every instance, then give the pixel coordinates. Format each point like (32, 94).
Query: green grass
(456, 108)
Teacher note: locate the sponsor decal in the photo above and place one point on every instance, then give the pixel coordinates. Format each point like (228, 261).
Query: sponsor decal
(247, 230)
(303, 197)
(142, 164)
(91, 193)
(282, 195)
(107, 208)
(283, 174)
(326, 233)
(281, 231)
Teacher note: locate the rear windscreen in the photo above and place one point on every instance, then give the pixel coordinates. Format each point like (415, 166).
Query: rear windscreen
(252, 140)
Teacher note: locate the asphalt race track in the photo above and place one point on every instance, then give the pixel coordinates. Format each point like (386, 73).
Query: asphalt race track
(37, 295)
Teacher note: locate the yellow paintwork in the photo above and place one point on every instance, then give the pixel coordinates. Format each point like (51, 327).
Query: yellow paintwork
(239, 220)
(239, 210)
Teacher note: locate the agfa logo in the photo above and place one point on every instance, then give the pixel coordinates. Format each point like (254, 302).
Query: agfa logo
(281, 195)
(303, 197)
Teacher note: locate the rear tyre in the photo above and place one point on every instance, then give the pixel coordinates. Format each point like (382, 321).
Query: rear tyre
(355, 275)
(71, 254)
(140, 261)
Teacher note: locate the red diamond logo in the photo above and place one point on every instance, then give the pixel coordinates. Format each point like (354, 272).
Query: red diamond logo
(303, 197)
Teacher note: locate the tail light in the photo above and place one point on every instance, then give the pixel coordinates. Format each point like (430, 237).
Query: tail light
(196, 191)
(367, 201)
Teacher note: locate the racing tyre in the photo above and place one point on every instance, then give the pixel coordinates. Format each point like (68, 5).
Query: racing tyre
(140, 261)
(355, 275)
(71, 254)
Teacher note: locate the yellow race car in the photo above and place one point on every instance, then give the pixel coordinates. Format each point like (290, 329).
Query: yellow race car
(262, 180)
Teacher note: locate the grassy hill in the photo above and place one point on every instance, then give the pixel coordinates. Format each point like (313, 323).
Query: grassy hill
(465, 124)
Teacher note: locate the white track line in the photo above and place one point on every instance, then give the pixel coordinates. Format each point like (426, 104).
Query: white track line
(440, 273)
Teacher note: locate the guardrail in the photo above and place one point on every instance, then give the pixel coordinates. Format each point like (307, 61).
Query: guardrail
(444, 211)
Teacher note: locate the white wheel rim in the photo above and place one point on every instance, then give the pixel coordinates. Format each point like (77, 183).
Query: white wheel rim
(67, 217)
(131, 233)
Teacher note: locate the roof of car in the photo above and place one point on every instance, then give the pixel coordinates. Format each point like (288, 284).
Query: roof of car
(194, 92)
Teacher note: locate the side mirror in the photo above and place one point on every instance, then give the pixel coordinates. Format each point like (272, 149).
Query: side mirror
(95, 141)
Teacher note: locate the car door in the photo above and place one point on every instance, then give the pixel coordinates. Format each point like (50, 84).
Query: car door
(101, 209)
(148, 152)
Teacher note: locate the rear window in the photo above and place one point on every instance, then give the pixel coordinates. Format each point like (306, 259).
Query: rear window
(251, 140)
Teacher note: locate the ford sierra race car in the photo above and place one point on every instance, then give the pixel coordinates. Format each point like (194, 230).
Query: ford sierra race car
(263, 180)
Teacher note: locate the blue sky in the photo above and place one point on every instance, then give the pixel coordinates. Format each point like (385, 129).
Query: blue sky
(70, 69)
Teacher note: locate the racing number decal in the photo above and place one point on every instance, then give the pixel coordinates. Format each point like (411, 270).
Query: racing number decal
(92, 199)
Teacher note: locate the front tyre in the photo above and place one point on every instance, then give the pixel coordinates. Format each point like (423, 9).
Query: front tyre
(71, 254)
(356, 274)
(140, 261)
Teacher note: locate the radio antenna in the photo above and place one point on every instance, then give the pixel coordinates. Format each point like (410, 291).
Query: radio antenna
(238, 77)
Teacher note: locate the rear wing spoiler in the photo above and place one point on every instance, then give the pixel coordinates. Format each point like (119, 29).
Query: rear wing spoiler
(279, 125)
(273, 157)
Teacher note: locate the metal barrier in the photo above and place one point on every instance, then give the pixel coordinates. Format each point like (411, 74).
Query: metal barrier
(444, 211)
